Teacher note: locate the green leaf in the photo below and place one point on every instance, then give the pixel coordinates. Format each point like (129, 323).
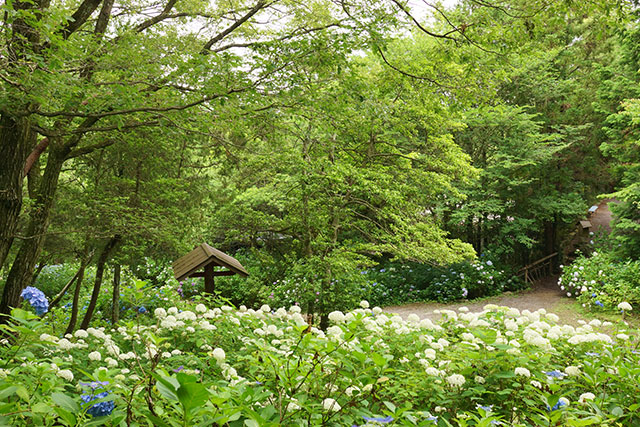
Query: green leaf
(7, 392)
(65, 402)
(378, 359)
(67, 416)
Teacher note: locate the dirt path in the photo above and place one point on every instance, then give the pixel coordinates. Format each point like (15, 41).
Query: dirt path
(601, 218)
(545, 295)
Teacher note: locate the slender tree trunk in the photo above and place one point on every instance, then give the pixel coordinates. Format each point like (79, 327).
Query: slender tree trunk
(15, 144)
(86, 258)
(21, 272)
(104, 256)
(115, 301)
(65, 288)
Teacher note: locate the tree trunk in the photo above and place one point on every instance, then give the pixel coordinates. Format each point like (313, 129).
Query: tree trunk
(86, 258)
(15, 144)
(21, 272)
(115, 301)
(83, 264)
(104, 256)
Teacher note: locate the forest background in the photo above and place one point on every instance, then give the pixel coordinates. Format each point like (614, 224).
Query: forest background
(312, 139)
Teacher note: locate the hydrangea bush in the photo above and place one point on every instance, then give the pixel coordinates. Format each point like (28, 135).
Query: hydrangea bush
(601, 282)
(192, 364)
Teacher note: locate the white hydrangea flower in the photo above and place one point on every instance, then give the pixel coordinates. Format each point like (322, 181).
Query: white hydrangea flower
(536, 384)
(336, 316)
(623, 337)
(81, 333)
(219, 355)
(48, 338)
(65, 344)
(572, 370)
(480, 380)
(624, 306)
(265, 308)
(65, 374)
(186, 315)
(364, 304)
(456, 380)
(173, 311)
(434, 372)
(430, 353)
(586, 396)
(330, 404)
(95, 356)
(160, 313)
(201, 308)
(350, 390)
(413, 318)
(295, 309)
(523, 371)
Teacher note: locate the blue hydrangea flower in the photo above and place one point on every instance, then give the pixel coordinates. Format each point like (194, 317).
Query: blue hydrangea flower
(561, 403)
(555, 374)
(37, 299)
(142, 310)
(599, 304)
(95, 384)
(381, 420)
(100, 409)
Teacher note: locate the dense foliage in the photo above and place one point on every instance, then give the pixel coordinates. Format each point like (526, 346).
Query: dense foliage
(602, 281)
(190, 364)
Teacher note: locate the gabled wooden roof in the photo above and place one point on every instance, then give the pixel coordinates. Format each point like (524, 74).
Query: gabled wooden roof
(205, 255)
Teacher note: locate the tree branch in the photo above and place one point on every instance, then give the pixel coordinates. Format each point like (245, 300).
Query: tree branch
(163, 15)
(79, 17)
(255, 9)
(413, 76)
(35, 154)
(423, 29)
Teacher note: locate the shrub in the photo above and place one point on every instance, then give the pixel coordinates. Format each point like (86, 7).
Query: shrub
(601, 282)
(194, 365)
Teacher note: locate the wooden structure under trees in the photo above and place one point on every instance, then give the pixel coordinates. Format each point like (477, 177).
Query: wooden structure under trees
(537, 270)
(201, 261)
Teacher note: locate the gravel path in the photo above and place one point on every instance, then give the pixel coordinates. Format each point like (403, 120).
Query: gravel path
(545, 295)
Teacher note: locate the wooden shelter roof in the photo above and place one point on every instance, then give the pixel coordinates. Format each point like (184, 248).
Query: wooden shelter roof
(204, 255)
(585, 224)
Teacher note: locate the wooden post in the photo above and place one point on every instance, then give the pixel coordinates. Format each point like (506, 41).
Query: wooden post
(209, 284)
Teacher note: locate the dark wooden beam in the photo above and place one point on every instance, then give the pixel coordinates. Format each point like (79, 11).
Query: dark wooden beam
(224, 273)
(209, 284)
